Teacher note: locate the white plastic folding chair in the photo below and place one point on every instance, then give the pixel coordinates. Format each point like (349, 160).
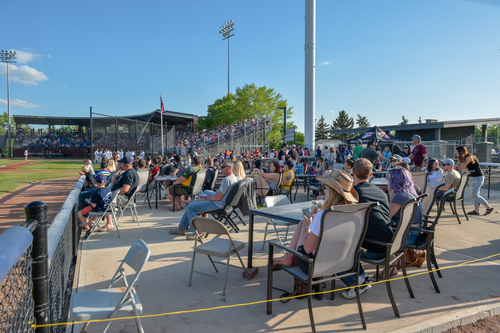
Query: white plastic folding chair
(271, 201)
(217, 247)
(112, 302)
(110, 210)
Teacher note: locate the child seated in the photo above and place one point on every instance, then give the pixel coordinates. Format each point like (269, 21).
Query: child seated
(98, 203)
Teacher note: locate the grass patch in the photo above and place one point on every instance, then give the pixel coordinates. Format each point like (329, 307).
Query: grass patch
(11, 181)
(5, 161)
(57, 165)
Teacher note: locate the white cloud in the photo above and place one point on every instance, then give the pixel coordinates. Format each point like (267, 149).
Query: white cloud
(326, 63)
(17, 103)
(24, 57)
(23, 74)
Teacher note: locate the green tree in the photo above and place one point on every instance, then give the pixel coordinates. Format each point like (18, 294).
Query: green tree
(362, 122)
(322, 130)
(4, 123)
(404, 120)
(343, 121)
(247, 102)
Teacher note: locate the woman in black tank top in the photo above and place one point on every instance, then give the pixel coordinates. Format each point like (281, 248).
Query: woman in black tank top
(476, 178)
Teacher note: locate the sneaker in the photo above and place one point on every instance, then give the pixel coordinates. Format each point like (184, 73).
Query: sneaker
(351, 293)
(176, 231)
(193, 236)
(87, 234)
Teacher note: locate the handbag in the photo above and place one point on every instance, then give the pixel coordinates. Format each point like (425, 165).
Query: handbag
(414, 257)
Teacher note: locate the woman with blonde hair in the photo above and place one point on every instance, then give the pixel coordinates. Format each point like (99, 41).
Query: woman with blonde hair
(238, 170)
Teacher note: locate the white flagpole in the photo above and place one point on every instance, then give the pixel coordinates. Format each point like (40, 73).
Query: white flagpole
(161, 112)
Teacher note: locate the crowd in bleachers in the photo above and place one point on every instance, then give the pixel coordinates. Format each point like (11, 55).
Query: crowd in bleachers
(60, 138)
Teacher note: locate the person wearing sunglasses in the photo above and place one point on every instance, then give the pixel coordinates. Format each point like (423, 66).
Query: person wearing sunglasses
(452, 179)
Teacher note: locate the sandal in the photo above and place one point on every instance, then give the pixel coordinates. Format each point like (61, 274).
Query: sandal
(488, 211)
(473, 212)
(286, 260)
(104, 229)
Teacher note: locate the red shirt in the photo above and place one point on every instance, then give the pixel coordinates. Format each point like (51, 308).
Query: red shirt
(418, 154)
(155, 170)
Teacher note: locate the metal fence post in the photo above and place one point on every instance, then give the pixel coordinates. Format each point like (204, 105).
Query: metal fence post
(37, 210)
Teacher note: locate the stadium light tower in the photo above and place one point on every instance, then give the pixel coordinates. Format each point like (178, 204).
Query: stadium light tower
(226, 31)
(8, 56)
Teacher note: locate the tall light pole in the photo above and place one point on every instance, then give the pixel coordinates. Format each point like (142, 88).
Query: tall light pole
(8, 56)
(226, 31)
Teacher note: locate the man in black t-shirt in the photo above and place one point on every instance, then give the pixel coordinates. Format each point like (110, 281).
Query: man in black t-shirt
(379, 223)
(126, 182)
(283, 151)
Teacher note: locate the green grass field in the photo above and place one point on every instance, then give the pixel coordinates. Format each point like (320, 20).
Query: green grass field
(12, 180)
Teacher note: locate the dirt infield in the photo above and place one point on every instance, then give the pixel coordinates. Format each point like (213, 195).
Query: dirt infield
(52, 191)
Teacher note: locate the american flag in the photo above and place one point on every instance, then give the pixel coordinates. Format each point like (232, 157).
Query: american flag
(162, 106)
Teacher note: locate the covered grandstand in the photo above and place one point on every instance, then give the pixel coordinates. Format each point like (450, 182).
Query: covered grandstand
(99, 131)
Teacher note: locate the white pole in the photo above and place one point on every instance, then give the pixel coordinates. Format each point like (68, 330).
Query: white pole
(310, 68)
(8, 112)
(161, 127)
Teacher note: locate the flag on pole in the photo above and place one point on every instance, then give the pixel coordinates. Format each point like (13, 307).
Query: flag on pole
(162, 106)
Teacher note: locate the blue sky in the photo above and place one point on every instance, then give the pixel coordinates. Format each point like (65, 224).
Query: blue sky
(382, 59)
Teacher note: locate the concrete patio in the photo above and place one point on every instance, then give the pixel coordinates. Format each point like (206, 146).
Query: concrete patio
(467, 292)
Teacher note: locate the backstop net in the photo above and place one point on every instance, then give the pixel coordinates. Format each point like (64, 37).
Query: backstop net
(116, 133)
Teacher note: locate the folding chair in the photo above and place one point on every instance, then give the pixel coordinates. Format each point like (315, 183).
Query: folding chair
(277, 200)
(284, 191)
(426, 240)
(144, 185)
(342, 231)
(133, 208)
(217, 247)
(109, 303)
(110, 210)
(420, 179)
(428, 202)
(396, 248)
(232, 200)
(195, 186)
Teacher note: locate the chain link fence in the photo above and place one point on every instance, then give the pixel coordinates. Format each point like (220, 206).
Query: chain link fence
(17, 300)
(25, 280)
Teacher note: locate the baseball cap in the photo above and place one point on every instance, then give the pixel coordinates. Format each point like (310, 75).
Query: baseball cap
(416, 137)
(448, 161)
(104, 165)
(406, 160)
(101, 179)
(396, 158)
(126, 160)
(293, 145)
(321, 158)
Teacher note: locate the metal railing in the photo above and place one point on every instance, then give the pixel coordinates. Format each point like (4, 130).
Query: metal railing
(38, 273)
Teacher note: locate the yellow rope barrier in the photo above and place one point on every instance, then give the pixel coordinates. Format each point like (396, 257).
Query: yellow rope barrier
(264, 301)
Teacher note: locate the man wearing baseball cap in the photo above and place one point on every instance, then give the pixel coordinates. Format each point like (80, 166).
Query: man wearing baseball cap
(419, 153)
(126, 182)
(452, 179)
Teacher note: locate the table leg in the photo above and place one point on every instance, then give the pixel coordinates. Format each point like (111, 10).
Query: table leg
(489, 179)
(156, 185)
(252, 271)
